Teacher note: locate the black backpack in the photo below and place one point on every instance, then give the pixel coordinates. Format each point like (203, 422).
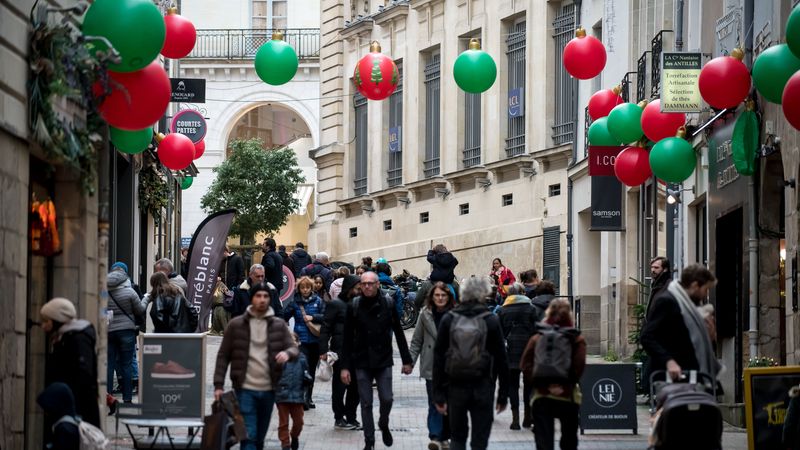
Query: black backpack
(552, 361)
(467, 357)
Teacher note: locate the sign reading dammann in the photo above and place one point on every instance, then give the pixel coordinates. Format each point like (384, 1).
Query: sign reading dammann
(680, 73)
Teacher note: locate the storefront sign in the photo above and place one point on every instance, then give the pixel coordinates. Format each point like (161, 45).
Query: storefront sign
(680, 91)
(516, 102)
(606, 204)
(191, 124)
(601, 160)
(188, 90)
(288, 285)
(766, 400)
(609, 397)
(172, 374)
(186, 242)
(395, 139)
(722, 170)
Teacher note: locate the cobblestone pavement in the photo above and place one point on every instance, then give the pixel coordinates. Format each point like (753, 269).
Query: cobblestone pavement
(408, 421)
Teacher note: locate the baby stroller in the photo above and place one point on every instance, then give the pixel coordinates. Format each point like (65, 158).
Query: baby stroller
(685, 414)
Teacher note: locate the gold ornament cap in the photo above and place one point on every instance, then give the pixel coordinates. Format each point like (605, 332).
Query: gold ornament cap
(375, 47)
(172, 10)
(681, 132)
(160, 137)
(750, 104)
(642, 104)
(617, 89)
(737, 53)
(474, 44)
(277, 35)
(580, 33)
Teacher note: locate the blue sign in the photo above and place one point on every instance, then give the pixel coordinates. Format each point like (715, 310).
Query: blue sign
(395, 139)
(516, 102)
(186, 242)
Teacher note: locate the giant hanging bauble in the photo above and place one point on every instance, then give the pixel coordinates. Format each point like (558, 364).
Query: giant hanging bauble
(602, 102)
(176, 151)
(134, 27)
(137, 99)
(744, 141)
(673, 159)
(276, 61)
(584, 57)
(657, 125)
(632, 166)
(199, 149)
(474, 69)
(131, 142)
(181, 35)
(625, 122)
(772, 69)
(725, 81)
(186, 182)
(791, 101)
(793, 31)
(599, 135)
(376, 75)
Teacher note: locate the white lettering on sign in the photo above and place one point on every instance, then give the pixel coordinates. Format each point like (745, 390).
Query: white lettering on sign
(606, 393)
(152, 349)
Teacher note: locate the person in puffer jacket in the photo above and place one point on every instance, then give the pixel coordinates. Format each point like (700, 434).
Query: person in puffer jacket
(300, 259)
(305, 307)
(290, 398)
(125, 305)
(171, 312)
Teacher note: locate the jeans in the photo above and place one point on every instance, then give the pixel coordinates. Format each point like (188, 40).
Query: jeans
(344, 398)
(311, 351)
(383, 378)
(438, 425)
(121, 346)
(477, 400)
(256, 407)
(544, 412)
(513, 390)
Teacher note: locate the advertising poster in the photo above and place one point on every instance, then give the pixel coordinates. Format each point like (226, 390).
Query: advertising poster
(606, 204)
(609, 397)
(172, 379)
(766, 399)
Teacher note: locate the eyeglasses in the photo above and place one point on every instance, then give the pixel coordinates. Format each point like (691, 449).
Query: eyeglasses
(369, 283)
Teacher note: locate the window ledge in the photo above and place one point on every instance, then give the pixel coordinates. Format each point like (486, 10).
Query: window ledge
(359, 27)
(476, 174)
(397, 192)
(553, 156)
(428, 185)
(419, 4)
(395, 10)
(522, 164)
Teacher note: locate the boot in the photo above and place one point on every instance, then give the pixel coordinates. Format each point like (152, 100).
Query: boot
(526, 418)
(514, 419)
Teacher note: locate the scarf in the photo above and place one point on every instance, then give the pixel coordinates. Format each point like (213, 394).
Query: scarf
(697, 330)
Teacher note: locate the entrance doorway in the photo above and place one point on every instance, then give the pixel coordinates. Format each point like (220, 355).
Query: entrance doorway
(730, 306)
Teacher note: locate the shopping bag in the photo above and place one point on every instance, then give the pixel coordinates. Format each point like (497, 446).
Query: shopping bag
(325, 367)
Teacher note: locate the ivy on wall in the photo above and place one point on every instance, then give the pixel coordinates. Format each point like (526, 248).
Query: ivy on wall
(153, 190)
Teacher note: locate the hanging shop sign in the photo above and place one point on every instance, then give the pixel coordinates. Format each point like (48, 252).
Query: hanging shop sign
(680, 91)
(188, 90)
(395, 139)
(609, 397)
(606, 204)
(288, 285)
(516, 102)
(766, 400)
(191, 124)
(172, 374)
(601, 160)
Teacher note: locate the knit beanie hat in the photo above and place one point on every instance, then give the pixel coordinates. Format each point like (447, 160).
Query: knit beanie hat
(59, 309)
(119, 265)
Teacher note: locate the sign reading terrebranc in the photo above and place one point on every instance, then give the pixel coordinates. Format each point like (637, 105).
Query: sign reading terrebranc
(680, 91)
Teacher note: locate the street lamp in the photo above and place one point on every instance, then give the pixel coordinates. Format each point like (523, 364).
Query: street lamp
(674, 195)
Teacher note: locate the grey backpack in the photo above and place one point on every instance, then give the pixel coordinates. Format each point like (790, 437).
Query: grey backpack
(467, 357)
(552, 359)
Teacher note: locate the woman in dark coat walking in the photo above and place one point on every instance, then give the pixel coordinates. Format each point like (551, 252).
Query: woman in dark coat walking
(306, 306)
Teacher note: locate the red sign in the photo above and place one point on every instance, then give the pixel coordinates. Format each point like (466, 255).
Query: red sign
(601, 160)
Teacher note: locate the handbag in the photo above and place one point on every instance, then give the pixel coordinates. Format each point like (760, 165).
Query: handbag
(314, 328)
(139, 321)
(215, 429)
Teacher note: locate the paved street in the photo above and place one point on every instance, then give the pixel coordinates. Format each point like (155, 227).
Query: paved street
(408, 422)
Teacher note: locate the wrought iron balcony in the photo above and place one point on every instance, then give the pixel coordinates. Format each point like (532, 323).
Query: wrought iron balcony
(244, 43)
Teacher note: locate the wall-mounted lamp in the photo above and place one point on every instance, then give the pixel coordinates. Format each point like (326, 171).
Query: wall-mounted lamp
(674, 195)
(444, 192)
(790, 182)
(484, 183)
(404, 200)
(368, 209)
(529, 172)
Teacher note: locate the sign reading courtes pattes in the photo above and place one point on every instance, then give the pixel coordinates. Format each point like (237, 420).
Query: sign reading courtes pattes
(191, 124)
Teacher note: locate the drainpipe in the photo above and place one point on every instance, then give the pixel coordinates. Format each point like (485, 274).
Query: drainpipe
(679, 26)
(103, 223)
(752, 239)
(572, 163)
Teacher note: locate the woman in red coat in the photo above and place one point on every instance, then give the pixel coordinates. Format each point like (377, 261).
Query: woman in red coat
(502, 276)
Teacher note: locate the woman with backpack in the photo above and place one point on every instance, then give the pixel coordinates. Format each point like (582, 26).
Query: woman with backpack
(308, 311)
(439, 301)
(556, 393)
(171, 312)
(122, 331)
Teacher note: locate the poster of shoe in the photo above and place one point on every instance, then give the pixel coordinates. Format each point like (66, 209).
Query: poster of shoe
(171, 380)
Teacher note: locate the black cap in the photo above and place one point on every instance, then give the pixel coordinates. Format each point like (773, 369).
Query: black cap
(349, 282)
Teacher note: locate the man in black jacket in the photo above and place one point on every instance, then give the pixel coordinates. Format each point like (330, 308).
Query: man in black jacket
(457, 395)
(232, 269)
(661, 274)
(343, 397)
(321, 267)
(367, 350)
(300, 258)
(273, 264)
(287, 260)
(241, 293)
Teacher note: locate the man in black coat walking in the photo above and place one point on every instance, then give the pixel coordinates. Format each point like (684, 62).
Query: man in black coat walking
(300, 258)
(287, 260)
(343, 397)
(661, 275)
(232, 269)
(273, 265)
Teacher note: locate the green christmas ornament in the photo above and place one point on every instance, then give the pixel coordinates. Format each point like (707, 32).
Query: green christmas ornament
(793, 31)
(772, 70)
(625, 122)
(131, 142)
(673, 159)
(744, 142)
(599, 135)
(276, 61)
(474, 69)
(134, 27)
(186, 182)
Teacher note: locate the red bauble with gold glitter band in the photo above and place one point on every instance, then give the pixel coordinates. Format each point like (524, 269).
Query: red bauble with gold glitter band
(376, 76)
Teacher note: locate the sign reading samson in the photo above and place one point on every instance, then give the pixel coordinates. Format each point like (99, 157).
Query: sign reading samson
(191, 124)
(680, 73)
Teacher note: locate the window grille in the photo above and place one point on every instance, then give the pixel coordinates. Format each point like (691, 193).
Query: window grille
(565, 85)
(472, 130)
(394, 176)
(463, 209)
(508, 199)
(551, 255)
(360, 173)
(432, 116)
(515, 53)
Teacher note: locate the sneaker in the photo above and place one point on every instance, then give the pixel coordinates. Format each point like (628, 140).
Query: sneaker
(171, 370)
(342, 425)
(388, 440)
(354, 425)
(434, 445)
(311, 404)
(445, 445)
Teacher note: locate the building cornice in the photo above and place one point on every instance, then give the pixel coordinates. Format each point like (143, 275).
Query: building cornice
(419, 4)
(327, 156)
(478, 175)
(360, 27)
(428, 184)
(398, 192)
(394, 10)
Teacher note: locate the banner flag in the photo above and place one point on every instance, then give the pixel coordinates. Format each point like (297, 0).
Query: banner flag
(204, 259)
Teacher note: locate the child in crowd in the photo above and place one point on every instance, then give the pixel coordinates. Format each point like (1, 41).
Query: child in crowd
(290, 397)
(444, 264)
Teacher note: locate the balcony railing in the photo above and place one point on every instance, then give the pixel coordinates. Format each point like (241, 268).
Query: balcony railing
(244, 43)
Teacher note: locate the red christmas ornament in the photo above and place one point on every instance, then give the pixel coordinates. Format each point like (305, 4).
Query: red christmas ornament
(181, 35)
(790, 102)
(376, 75)
(602, 102)
(199, 149)
(632, 166)
(137, 99)
(657, 125)
(725, 81)
(175, 151)
(584, 56)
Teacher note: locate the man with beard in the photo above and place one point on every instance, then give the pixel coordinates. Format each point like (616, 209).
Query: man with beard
(661, 275)
(676, 335)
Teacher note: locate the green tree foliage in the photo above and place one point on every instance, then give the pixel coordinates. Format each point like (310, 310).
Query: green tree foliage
(259, 183)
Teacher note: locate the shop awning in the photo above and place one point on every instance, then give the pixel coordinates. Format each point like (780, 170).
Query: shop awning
(303, 194)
